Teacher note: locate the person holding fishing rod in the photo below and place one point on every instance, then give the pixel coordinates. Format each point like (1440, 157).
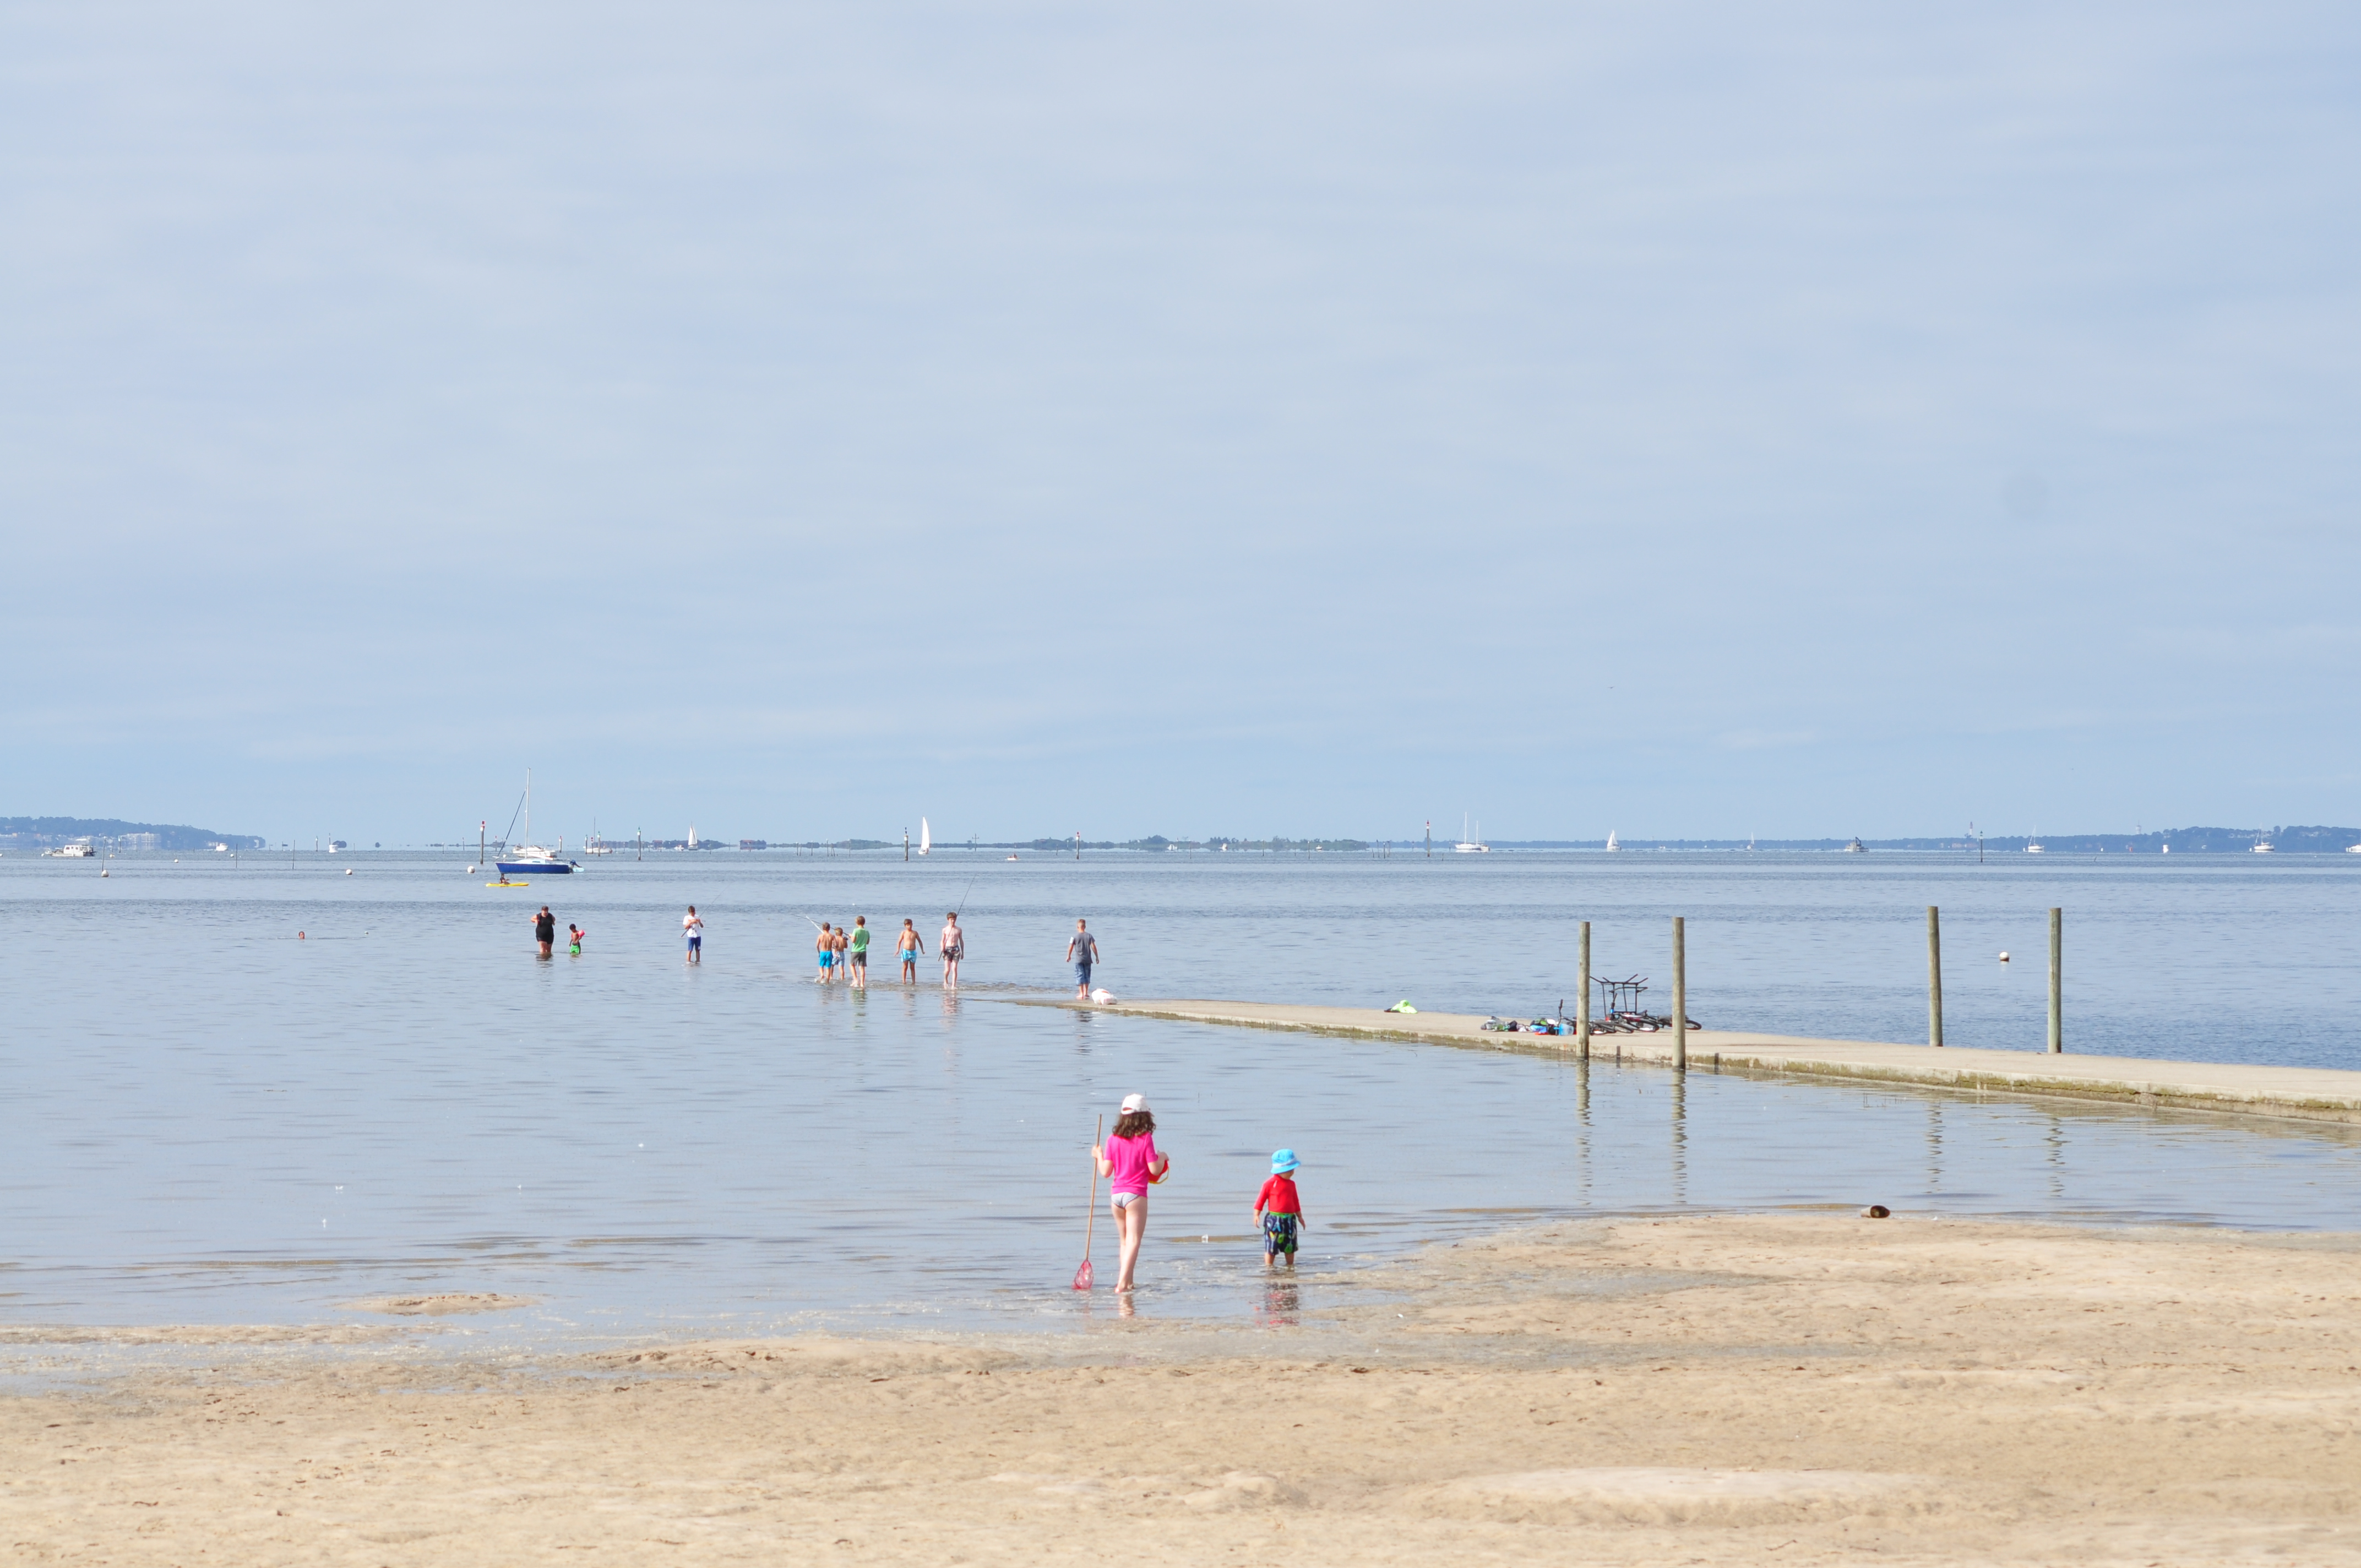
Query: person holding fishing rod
(951, 946)
(1129, 1161)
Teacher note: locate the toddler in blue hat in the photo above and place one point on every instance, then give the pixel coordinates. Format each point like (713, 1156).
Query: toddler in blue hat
(1278, 1211)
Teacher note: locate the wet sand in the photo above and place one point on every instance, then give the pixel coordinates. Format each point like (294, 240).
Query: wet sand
(1791, 1388)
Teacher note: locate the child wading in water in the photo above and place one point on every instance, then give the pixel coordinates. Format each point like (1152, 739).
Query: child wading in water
(1278, 1211)
(1130, 1162)
(577, 932)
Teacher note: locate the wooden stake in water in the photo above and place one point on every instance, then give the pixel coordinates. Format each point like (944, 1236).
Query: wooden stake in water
(1582, 1000)
(2057, 967)
(1934, 977)
(1680, 996)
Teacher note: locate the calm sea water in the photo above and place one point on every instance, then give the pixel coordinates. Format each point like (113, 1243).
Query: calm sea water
(208, 1120)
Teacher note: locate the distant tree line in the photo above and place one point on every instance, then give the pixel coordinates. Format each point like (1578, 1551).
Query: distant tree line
(49, 832)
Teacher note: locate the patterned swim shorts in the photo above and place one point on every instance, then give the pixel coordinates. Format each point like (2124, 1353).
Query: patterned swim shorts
(1277, 1235)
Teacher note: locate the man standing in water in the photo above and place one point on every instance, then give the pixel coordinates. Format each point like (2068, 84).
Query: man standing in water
(694, 929)
(1082, 952)
(545, 930)
(951, 946)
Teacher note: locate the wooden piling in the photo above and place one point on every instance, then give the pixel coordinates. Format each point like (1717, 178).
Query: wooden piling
(1582, 1000)
(2057, 969)
(1680, 997)
(1934, 977)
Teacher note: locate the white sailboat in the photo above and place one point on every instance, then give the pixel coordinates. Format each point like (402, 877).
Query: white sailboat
(1612, 844)
(529, 857)
(926, 837)
(1471, 843)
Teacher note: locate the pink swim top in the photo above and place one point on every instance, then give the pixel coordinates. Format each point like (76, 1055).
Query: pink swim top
(1130, 1157)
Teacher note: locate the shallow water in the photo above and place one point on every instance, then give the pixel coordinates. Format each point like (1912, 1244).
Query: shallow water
(211, 1121)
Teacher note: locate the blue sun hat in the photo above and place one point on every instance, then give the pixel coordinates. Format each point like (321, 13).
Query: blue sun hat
(1282, 1162)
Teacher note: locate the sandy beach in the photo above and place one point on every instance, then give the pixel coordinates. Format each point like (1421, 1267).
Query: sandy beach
(1789, 1388)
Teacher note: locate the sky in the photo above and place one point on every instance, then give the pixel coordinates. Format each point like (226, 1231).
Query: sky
(791, 420)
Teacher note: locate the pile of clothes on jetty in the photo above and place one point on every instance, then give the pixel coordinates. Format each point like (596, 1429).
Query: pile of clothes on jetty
(1609, 1023)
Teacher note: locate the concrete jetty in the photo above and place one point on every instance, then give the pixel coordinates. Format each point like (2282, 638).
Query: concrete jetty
(2319, 1094)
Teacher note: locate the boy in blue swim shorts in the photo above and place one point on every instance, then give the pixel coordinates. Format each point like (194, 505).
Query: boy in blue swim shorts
(1278, 1211)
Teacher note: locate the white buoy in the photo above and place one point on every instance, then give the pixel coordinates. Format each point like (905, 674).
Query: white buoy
(2004, 957)
(348, 870)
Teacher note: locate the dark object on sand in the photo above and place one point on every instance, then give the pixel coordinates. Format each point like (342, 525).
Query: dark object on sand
(1877, 1212)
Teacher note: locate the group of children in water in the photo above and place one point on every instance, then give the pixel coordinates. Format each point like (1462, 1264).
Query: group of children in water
(1131, 1163)
(843, 951)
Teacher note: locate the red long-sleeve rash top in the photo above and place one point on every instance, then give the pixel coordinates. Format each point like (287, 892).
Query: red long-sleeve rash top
(1277, 1196)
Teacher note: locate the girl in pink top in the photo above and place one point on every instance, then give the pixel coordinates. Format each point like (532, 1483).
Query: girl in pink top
(1130, 1162)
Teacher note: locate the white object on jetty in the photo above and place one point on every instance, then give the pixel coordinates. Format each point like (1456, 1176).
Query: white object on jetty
(1101, 996)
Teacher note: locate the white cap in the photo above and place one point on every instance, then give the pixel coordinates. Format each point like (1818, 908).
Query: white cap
(1134, 1102)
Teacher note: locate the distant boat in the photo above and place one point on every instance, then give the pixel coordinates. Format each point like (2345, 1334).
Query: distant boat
(72, 852)
(2035, 846)
(1855, 847)
(2353, 848)
(1012, 857)
(1473, 844)
(530, 858)
(926, 837)
(1612, 844)
(2266, 848)
(595, 845)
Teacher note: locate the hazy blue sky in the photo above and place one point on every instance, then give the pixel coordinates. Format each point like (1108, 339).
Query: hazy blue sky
(1204, 418)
